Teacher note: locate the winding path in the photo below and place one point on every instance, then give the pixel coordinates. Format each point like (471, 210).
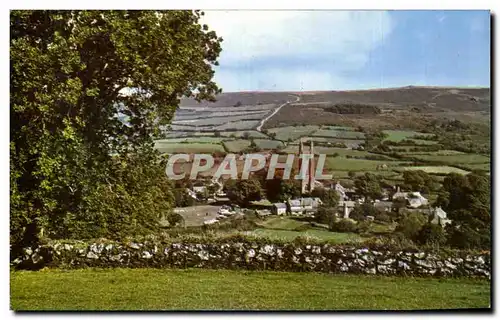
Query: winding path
(259, 128)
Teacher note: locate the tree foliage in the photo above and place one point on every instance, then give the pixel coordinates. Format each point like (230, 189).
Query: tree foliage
(243, 192)
(90, 91)
(368, 185)
(466, 199)
(418, 180)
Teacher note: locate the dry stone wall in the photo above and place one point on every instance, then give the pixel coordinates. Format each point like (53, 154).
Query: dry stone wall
(256, 256)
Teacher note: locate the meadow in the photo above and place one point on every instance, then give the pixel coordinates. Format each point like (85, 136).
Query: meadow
(199, 289)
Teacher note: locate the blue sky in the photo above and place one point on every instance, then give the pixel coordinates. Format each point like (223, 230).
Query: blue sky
(342, 50)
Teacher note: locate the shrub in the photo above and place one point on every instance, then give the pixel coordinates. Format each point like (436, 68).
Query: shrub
(343, 225)
(175, 219)
(431, 234)
(303, 227)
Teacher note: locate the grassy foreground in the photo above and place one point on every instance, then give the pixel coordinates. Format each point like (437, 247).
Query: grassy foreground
(197, 289)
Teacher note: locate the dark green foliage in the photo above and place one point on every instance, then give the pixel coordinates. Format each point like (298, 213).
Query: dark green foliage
(243, 192)
(410, 225)
(466, 199)
(343, 225)
(90, 91)
(175, 219)
(418, 180)
(368, 185)
(329, 197)
(430, 234)
(326, 215)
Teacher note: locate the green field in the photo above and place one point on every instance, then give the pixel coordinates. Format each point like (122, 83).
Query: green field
(455, 159)
(189, 147)
(398, 135)
(435, 169)
(342, 134)
(241, 134)
(293, 133)
(268, 144)
(345, 164)
(236, 145)
(198, 289)
(199, 139)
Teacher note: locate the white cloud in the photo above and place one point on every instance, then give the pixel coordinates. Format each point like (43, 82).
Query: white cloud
(328, 42)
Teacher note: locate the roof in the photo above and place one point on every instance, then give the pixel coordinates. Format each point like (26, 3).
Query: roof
(294, 203)
(383, 204)
(349, 204)
(400, 195)
(279, 205)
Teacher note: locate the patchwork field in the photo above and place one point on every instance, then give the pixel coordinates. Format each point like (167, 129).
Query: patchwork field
(198, 289)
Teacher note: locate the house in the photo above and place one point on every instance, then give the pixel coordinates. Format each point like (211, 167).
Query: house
(299, 206)
(347, 207)
(383, 205)
(416, 200)
(399, 194)
(279, 208)
(295, 206)
(439, 216)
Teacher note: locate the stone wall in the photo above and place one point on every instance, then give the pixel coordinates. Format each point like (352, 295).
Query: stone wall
(256, 256)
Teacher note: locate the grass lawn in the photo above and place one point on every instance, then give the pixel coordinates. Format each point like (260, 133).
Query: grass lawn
(198, 289)
(285, 223)
(290, 235)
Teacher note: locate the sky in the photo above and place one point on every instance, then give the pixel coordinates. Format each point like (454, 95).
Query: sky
(348, 50)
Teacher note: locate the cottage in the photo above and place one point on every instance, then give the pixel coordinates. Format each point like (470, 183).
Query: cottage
(383, 205)
(303, 205)
(279, 208)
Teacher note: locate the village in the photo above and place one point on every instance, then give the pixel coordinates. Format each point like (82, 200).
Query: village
(211, 204)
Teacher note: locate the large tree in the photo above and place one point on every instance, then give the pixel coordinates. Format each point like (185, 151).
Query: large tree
(90, 91)
(368, 185)
(466, 199)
